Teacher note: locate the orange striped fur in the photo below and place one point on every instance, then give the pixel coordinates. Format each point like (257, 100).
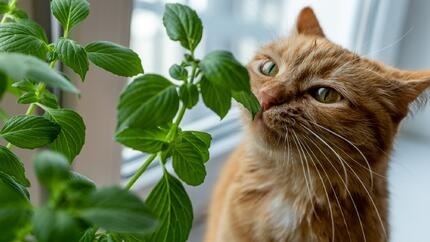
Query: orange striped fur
(308, 171)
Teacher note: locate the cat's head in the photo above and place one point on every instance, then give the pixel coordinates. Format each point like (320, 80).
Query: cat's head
(315, 94)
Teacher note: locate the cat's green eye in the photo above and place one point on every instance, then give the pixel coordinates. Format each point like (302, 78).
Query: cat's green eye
(269, 68)
(326, 95)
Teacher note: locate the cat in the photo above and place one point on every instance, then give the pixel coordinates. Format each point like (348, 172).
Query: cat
(313, 163)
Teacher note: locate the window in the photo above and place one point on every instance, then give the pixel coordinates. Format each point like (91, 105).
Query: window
(241, 26)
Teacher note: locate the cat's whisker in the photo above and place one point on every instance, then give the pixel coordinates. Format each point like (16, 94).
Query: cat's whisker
(307, 154)
(304, 172)
(285, 150)
(355, 147)
(371, 199)
(329, 181)
(342, 180)
(365, 189)
(355, 161)
(334, 152)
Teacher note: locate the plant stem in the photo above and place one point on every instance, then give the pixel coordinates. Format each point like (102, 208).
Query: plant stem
(170, 135)
(12, 6)
(32, 107)
(141, 170)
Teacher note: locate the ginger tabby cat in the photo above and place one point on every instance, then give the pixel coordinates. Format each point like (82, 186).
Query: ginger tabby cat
(313, 163)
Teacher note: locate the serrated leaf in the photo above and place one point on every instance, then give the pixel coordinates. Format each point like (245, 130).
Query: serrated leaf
(114, 58)
(46, 98)
(223, 70)
(22, 67)
(25, 37)
(27, 98)
(189, 153)
(49, 99)
(52, 169)
(56, 225)
(248, 100)
(12, 166)
(150, 100)
(178, 72)
(189, 95)
(117, 210)
(24, 85)
(30, 132)
(183, 25)
(74, 56)
(15, 208)
(216, 98)
(145, 140)
(70, 12)
(171, 204)
(72, 135)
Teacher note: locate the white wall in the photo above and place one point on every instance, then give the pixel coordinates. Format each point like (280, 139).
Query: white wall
(410, 168)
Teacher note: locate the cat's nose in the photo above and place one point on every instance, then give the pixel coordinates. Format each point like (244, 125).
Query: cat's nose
(269, 98)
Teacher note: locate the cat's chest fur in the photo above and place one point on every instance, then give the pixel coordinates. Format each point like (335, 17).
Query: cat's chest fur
(275, 214)
(283, 218)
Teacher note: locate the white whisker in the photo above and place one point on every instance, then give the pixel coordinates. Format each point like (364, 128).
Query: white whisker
(303, 148)
(343, 181)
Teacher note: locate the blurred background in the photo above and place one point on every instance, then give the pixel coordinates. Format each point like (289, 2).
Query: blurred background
(395, 32)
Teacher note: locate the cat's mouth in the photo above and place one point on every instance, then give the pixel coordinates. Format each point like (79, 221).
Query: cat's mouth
(275, 120)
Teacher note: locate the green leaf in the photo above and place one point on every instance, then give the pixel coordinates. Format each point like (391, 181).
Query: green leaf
(145, 140)
(12, 166)
(19, 14)
(21, 67)
(74, 56)
(89, 235)
(56, 225)
(223, 70)
(3, 116)
(4, 7)
(150, 100)
(178, 72)
(27, 98)
(70, 12)
(216, 98)
(30, 132)
(183, 25)
(49, 99)
(25, 85)
(189, 95)
(25, 37)
(15, 208)
(248, 100)
(72, 135)
(118, 210)
(171, 204)
(46, 98)
(190, 152)
(52, 169)
(114, 58)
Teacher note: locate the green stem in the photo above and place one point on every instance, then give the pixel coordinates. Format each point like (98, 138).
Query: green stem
(141, 170)
(170, 135)
(12, 6)
(32, 107)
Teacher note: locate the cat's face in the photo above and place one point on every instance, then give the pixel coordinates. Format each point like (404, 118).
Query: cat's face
(315, 94)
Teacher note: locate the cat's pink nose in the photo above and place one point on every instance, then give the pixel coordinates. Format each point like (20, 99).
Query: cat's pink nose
(269, 98)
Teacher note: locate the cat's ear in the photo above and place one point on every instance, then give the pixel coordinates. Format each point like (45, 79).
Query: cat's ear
(411, 89)
(307, 23)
